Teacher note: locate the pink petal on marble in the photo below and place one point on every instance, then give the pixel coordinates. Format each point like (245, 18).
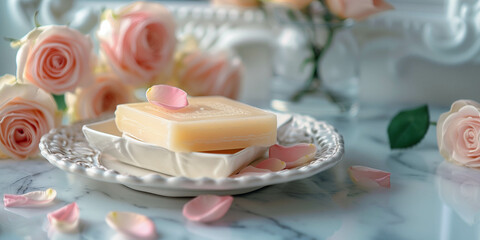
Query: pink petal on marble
(65, 219)
(369, 177)
(272, 164)
(31, 199)
(133, 225)
(294, 155)
(207, 208)
(168, 97)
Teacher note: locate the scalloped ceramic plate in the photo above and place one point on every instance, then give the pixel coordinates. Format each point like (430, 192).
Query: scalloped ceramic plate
(67, 148)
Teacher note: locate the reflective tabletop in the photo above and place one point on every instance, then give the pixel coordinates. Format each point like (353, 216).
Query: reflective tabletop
(429, 198)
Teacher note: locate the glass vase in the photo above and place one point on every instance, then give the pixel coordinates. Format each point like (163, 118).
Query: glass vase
(327, 86)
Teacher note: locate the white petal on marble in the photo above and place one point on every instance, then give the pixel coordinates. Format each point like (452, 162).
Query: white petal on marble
(31, 199)
(207, 208)
(132, 225)
(65, 219)
(369, 178)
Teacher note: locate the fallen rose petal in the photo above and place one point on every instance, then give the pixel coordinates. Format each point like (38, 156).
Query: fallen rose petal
(31, 199)
(133, 225)
(207, 208)
(167, 97)
(251, 171)
(272, 164)
(369, 177)
(65, 219)
(294, 155)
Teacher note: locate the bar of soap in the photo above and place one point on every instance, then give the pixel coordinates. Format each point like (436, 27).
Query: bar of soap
(207, 124)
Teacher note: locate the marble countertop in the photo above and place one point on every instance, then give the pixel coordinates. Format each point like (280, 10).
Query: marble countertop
(428, 199)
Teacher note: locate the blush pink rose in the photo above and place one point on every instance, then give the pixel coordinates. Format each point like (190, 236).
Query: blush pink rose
(99, 98)
(26, 114)
(357, 9)
(138, 41)
(56, 59)
(236, 3)
(212, 73)
(297, 4)
(458, 133)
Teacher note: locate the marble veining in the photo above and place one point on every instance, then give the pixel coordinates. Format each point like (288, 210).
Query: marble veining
(429, 198)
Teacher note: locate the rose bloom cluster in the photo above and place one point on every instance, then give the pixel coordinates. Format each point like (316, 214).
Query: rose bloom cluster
(354, 9)
(58, 64)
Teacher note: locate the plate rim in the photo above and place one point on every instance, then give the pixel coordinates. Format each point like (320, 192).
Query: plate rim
(208, 184)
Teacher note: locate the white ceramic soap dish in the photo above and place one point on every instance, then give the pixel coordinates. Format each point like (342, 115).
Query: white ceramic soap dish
(105, 136)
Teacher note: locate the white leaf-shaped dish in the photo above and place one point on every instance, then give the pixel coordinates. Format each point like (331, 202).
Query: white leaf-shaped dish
(108, 139)
(67, 148)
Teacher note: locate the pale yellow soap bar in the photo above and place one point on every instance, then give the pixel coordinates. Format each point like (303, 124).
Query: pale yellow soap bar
(206, 124)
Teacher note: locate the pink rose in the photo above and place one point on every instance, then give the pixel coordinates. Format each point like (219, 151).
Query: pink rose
(297, 4)
(138, 41)
(56, 59)
(211, 73)
(99, 98)
(26, 114)
(357, 9)
(236, 3)
(458, 133)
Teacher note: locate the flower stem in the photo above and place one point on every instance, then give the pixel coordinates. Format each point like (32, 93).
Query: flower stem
(35, 20)
(60, 100)
(433, 123)
(314, 82)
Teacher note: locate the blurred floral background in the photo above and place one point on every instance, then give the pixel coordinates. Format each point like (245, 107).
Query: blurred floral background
(120, 50)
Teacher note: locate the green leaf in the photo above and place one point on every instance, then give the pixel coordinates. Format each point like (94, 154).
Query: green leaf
(408, 127)
(60, 100)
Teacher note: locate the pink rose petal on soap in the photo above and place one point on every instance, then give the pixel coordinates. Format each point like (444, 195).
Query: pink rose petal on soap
(207, 208)
(167, 97)
(133, 225)
(294, 155)
(31, 199)
(65, 219)
(369, 177)
(272, 164)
